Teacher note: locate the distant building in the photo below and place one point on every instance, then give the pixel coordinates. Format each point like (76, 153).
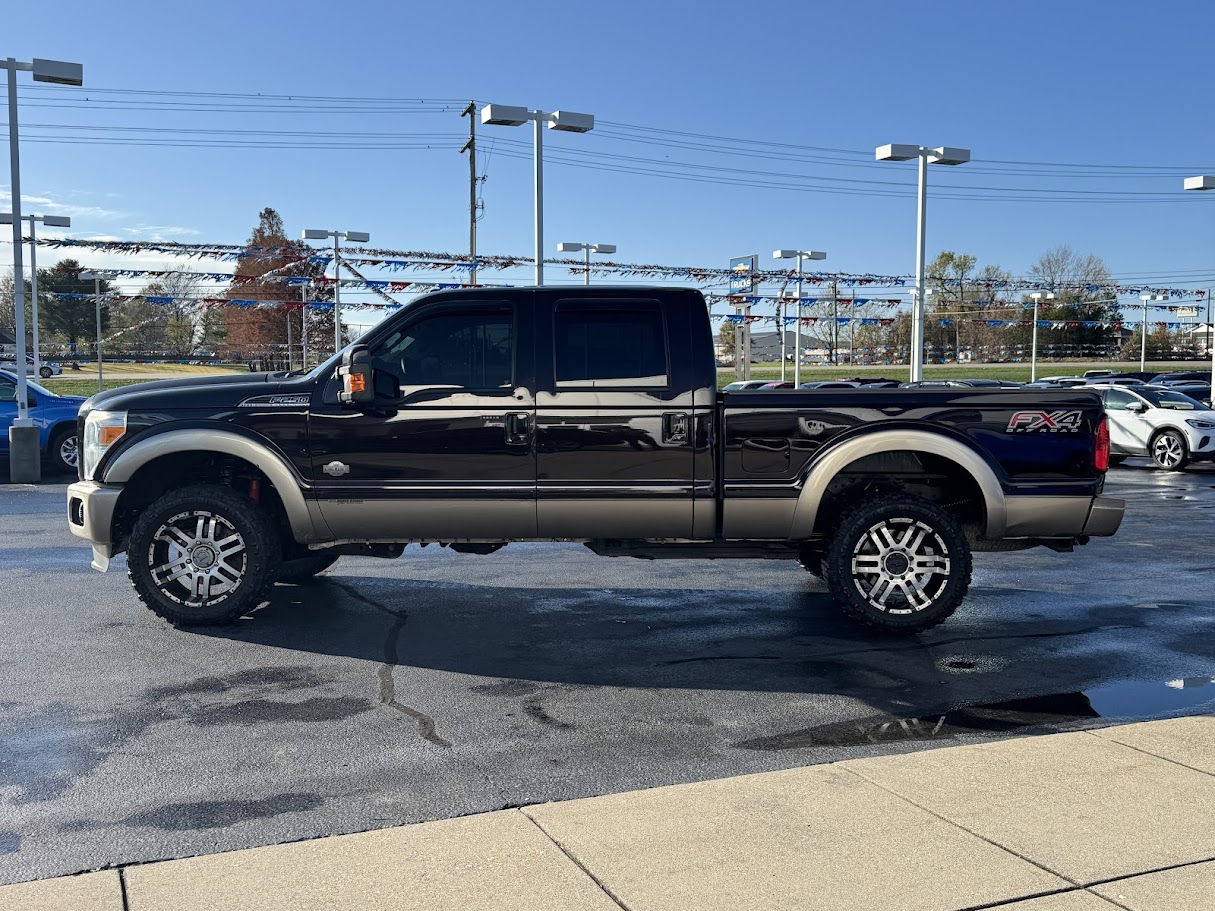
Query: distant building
(8, 343)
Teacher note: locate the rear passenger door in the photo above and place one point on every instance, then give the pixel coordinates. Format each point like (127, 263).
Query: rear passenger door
(614, 419)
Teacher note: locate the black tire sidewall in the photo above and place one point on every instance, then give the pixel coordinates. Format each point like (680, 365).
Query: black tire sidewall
(1185, 450)
(262, 550)
(837, 562)
(52, 450)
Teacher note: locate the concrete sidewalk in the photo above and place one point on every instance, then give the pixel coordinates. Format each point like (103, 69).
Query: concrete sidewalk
(1114, 818)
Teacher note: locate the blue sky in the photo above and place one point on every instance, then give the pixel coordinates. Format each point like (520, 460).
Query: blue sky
(1087, 83)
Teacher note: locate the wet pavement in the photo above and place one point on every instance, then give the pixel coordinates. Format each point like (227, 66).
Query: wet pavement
(442, 684)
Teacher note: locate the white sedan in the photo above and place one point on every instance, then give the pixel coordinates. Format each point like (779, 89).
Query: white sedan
(47, 370)
(1170, 428)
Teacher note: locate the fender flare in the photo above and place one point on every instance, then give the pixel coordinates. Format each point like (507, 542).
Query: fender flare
(284, 479)
(823, 470)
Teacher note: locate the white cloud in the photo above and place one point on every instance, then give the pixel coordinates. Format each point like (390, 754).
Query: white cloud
(47, 205)
(160, 232)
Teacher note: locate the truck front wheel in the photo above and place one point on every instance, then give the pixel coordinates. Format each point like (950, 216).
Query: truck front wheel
(202, 555)
(899, 564)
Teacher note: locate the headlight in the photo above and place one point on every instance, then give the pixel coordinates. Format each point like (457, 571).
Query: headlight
(1201, 425)
(102, 430)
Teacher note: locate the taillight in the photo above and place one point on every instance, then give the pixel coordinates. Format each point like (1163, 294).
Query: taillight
(1101, 454)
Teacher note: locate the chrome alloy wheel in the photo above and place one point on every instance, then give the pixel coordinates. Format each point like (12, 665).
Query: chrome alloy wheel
(900, 566)
(1167, 450)
(69, 451)
(197, 558)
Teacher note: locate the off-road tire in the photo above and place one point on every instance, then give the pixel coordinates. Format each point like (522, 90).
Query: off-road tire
(1169, 451)
(175, 534)
(304, 568)
(63, 446)
(893, 537)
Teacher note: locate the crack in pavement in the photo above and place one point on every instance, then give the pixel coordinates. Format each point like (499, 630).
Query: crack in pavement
(388, 687)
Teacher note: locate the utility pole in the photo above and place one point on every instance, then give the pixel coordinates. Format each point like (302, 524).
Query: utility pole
(471, 148)
(835, 318)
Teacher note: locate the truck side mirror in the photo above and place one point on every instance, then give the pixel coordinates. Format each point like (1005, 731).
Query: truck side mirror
(357, 374)
(362, 384)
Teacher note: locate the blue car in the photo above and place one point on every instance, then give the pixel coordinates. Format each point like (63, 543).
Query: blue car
(53, 415)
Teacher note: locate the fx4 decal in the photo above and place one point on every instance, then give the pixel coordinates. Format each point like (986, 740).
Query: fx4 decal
(1048, 421)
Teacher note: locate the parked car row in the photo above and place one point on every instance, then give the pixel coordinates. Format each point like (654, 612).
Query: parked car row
(47, 370)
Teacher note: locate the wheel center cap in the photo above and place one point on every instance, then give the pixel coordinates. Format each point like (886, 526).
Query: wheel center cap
(897, 563)
(203, 557)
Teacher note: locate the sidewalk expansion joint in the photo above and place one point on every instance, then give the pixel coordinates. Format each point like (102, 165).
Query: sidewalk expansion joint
(1093, 732)
(576, 862)
(956, 825)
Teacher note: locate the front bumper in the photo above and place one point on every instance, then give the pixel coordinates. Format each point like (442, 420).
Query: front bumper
(91, 516)
(1063, 517)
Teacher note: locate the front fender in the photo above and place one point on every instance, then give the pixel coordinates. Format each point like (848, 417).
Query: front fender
(286, 483)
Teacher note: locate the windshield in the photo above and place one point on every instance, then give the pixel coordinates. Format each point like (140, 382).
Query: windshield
(1173, 401)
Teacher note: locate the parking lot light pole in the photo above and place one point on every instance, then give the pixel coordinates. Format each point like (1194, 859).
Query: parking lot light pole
(1205, 182)
(1143, 329)
(801, 256)
(925, 156)
(25, 466)
(51, 221)
(505, 115)
(97, 300)
(1033, 348)
(358, 237)
(588, 249)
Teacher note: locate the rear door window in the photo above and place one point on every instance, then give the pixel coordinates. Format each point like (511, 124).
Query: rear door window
(605, 344)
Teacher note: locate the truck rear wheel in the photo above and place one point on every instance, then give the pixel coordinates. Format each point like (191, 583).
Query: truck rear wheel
(202, 555)
(898, 564)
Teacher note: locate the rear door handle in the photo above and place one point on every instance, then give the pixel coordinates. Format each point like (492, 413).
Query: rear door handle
(675, 427)
(518, 428)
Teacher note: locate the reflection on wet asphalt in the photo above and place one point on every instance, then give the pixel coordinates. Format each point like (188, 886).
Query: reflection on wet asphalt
(443, 684)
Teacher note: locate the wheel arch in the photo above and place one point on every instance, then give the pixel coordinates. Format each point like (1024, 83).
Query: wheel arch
(167, 455)
(829, 466)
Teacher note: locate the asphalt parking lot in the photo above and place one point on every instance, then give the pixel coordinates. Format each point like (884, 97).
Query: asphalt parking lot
(441, 684)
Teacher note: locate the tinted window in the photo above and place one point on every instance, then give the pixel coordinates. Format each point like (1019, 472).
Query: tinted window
(615, 345)
(1117, 400)
(8, 391)
(467, 349)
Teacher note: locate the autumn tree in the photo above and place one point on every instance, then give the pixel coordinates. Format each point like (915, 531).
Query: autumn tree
(259, 334)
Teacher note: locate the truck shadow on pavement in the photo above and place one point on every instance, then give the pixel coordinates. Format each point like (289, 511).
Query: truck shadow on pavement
(748, 641)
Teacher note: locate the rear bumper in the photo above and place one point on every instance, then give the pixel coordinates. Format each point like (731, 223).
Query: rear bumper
(1063, 517)
(90, 509)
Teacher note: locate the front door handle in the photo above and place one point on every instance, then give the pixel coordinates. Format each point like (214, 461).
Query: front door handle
(675, 427)
(518, 428)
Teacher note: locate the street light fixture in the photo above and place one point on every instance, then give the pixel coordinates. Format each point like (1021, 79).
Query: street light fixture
(926, 156)
(588, 249)
(801, 256)
(51, 221)
(1033, 350)
(96, 279)
(357, 237)
(1205, 182)
(24, 463)
(567, 122)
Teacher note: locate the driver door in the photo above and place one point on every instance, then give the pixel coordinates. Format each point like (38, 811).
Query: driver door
(455, 457)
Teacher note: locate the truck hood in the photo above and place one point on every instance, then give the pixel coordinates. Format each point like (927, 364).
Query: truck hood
(205, 392)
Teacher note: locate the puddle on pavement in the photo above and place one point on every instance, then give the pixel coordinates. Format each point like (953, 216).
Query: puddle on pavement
(1126, 701)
